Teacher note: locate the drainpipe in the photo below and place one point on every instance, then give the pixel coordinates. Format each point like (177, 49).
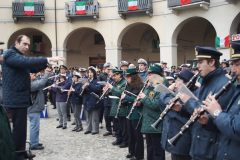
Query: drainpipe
(56, 29)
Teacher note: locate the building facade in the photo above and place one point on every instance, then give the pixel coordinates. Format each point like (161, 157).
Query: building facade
(163, 31)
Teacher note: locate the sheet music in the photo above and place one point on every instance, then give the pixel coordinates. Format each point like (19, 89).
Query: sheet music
(184, 89)
(163, 89)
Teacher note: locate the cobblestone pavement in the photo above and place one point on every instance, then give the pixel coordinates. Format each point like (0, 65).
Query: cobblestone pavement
(67, 145)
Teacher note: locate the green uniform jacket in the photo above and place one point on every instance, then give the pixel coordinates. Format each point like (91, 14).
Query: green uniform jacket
(117, 90)
(7, 150)
(151, 110)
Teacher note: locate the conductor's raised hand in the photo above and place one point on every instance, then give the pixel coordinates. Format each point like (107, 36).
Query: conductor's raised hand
(55, 59)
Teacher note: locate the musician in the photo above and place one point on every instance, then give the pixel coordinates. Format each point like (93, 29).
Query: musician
(83, 72)
(64, 71)
(151, 110)
(175, 119)
(91, 89)
(204, 134)
(225, 65)
(16, 86)
(123, 112)
(142, 68)
(52, 95)
(103, 76)
(76, 100)
(7, 150)
(107, 102)
(116, 89)
(135, 137)
(227, 120)
(124, 65)
(61, 100)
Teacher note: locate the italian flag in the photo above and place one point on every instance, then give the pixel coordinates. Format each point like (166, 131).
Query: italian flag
(222, 42)
(29, 8)
(132, 5)
(80, 7)
(185, 2)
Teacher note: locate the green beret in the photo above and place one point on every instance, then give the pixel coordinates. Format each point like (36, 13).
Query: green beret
(155, 68)
(117, 71)
(131, 71)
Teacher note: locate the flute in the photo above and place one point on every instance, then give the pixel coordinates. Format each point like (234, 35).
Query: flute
(195, 117)
(69, 90)
(172, 102)
(52, 85)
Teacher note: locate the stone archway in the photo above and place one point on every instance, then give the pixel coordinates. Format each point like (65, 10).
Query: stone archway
(235, 26)
(84, 47)
(190, 33)
(139, 40)
(40, 43)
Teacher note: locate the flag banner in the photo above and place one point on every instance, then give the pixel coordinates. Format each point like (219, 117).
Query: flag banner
(29, 8)
(80, 8)
(132, 5)
(222, 42)
(185, 2)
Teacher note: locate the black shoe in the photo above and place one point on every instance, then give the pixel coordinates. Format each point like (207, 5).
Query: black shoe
(37, 147)
(94, 133)
(28, 155)
(107, 134)
(59, 126)
(69, 118)
(40, 144)
(134, 158)
(79, 129)
(64, 127)
(129, 155)
(74, 129)
(73, 123)
(116, 143)
(123, 145)
(87, 132)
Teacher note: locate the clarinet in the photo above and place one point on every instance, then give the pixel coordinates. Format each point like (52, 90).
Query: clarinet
(83, 89)
(172, 102)
(105, 92)
(120, 102)
(69, 92)
(136, 100)
(195, 117)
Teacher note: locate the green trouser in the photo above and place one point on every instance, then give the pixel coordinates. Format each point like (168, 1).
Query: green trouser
(7, 150)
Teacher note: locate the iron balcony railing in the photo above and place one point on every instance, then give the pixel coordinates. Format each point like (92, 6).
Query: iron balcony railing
(82, 8)
(180, 4)
(19, 9)
(133, 6)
